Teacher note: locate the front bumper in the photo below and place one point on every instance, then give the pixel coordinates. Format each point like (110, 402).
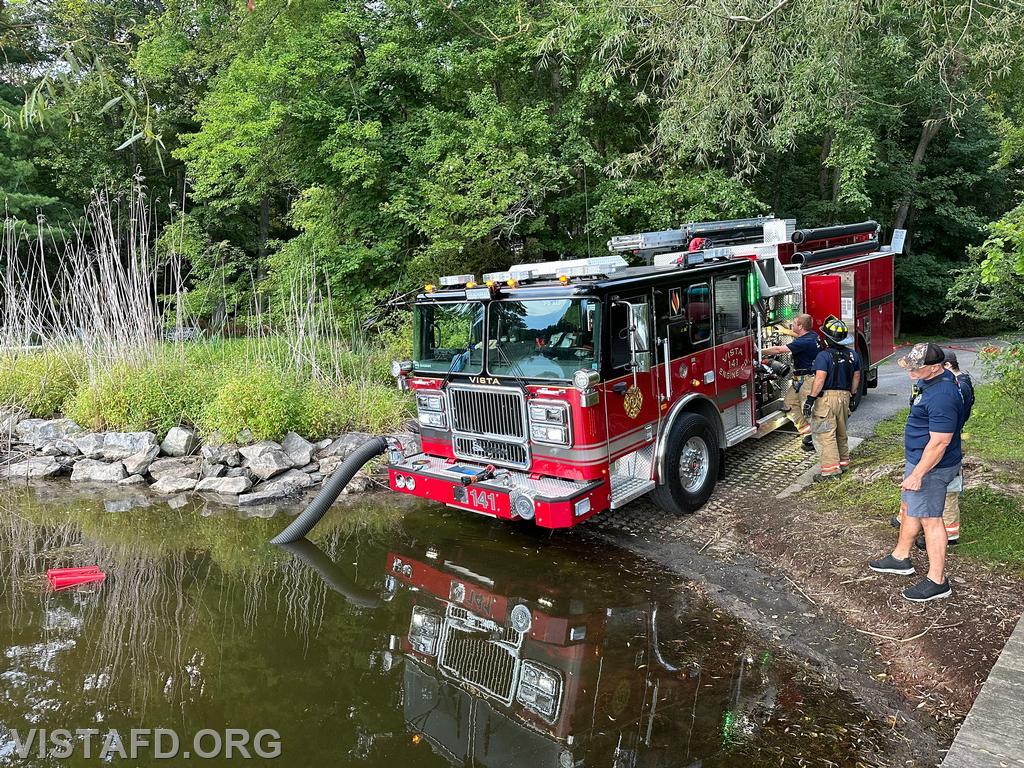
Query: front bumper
(557, 503)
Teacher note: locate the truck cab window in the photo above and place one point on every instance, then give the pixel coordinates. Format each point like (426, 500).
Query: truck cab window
(730, 308)
(619, 324)
(698, 313)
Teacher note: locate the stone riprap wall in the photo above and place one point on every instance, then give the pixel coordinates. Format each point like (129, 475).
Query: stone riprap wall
(257, 473)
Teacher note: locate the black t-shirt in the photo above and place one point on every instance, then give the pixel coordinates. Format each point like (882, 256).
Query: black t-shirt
(804, 349)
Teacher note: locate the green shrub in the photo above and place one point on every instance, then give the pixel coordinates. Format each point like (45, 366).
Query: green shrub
(39, 381)
(156, 396)
(263, 401)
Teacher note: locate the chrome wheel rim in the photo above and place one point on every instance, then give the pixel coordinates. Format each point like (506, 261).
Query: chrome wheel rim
(694, 463)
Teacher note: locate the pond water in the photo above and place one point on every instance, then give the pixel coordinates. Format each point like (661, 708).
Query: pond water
(405, 634)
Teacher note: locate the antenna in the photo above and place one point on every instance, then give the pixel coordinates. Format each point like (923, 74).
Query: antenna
(586, 205)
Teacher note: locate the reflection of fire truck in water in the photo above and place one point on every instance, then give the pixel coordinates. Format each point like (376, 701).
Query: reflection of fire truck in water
(555, 391)
(567, 677)
(538, 657)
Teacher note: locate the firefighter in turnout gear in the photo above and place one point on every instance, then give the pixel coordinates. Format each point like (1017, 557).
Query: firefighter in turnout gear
(804, 349)
(836, 378)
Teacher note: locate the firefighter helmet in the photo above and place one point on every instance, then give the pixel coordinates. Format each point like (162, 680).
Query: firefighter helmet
(835, 330)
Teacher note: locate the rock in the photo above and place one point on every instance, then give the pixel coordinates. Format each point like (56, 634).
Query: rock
(93, 471)
(328, 464)
(51, 450)
(360, 483)
(39, 432)
(239, 472)
(67, 447)
(36, 467)
(222, 454)
(179, 442)
(269, 464)
(344, 445)
(291, 483)
(250, 452)
(125, 503)
(172, 484)
(293, 477)
(298, 448)
(227, 486)
(89, 445)
(211, 470)
(121, 445)
(313, 466)
(316, 477)
(132, 480)
(323, 444)
(162, 468)
(10, 418)
(139, 463)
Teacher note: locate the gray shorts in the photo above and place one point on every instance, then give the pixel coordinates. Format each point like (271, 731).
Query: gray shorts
(931, 499)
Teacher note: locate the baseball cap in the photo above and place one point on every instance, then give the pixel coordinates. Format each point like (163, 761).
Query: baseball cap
(951, 358)
(921, 355)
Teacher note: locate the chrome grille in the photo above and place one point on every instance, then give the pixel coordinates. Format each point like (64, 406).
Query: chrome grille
(488, 411)
(491, 665)
(510, 454)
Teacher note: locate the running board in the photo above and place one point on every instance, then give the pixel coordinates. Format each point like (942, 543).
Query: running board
(626, 488)
(771, 423)
(738, 433)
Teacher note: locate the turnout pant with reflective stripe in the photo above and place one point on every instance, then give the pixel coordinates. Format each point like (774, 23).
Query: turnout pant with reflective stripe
(828, 427)
(796, 394)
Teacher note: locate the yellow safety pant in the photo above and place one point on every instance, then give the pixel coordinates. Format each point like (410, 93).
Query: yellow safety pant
(828, 428)
(796, 394)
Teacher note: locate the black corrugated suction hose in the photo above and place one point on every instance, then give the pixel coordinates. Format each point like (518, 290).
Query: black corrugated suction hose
(314, 557)
(317, 508)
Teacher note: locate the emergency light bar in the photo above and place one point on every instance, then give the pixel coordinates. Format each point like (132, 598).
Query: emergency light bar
(598, 266)
(449, 281)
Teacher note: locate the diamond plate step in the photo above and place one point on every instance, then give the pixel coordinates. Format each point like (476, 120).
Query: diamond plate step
(625, 489)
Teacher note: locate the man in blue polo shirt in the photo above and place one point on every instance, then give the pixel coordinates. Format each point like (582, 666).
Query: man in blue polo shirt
(804, 348)
(931, 442)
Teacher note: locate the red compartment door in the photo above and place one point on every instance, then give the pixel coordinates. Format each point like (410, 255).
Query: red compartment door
(822, 297)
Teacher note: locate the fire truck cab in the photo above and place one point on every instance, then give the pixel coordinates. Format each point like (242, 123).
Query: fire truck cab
(554, 391)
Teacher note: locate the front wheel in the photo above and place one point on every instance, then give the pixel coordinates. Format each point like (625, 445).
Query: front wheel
(691, 465)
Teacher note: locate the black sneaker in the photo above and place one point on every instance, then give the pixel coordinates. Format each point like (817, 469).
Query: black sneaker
(927, 590)
(894, 521)
(819, 478)
(807, 444)
(890, 564)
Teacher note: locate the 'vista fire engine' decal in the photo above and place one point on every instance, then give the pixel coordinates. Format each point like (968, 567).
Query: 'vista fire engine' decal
(633, 402)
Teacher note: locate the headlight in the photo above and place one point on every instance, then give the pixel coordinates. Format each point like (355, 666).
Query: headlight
(423, 630)
(545, 434)
(549, 422)
(430, 402)
(433, 420)
(584, 379)
(547, 413)
(540, 689)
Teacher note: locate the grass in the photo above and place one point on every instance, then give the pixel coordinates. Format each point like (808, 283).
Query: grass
(992, 520)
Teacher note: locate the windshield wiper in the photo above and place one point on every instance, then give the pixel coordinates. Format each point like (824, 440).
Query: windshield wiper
(509, 363)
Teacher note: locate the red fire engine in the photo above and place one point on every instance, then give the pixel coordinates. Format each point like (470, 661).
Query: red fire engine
(552, 392)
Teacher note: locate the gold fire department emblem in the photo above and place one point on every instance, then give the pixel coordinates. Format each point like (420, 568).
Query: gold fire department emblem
(633, 402)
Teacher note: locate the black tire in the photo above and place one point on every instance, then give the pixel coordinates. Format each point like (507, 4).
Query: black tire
(673, 495)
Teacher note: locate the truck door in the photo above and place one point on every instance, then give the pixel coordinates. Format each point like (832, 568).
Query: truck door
(823, 296)
(733, 345)
(631, 393)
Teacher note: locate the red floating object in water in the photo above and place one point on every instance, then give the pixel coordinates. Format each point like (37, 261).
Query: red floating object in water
(63, 578)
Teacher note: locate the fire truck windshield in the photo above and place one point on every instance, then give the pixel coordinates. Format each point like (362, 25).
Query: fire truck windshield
(542, 338)
(448, 337)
